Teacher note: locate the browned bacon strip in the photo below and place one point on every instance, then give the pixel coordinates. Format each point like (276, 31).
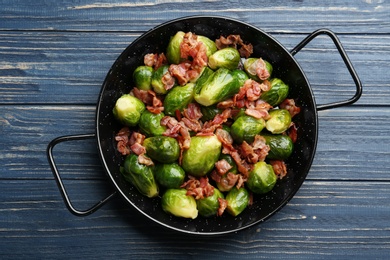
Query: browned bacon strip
(279, 167)
(198, 188)
(289, 104)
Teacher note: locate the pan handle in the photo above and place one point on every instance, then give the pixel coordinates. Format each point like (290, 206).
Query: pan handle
(59, 181)
(346, 60)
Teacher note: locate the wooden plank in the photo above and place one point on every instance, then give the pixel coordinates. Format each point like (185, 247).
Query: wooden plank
(277, 16)
(324, 219)
(353, 143)
(66, 67)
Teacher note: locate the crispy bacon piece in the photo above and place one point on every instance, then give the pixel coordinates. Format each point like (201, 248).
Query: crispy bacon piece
(155, 60)
(242, 167)
(168, 80)
(142, 159)
(257, 113)
(144, 95)
(138, 149)
(279, 167)
(198, 188)
(122, 138)
(210, 126)
(241, 180)
(247, 152)
(180, 72)
(136, 138)
(193, 111)
(261, 69)
(185, 139)
(289, 104)
(194, 125)
(150, 99)
(293, 132)
(235, 41)
(222, 166)
(222, 206)
(228, 103)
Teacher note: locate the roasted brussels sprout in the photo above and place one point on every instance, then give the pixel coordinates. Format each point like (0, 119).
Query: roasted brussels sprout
(163, 149)
(245, 128)
(179, 204)
(140, 175)
(277, 93)
(128, 110)
(210, 44)
(149, 123)
(173, 49)
(203, 153)
(251, 67)
(280, 120)
(227, 58)
(220, 85)
(262, 178)
(169, 175)
(178, 98)
(157, 82)
(241, 76)
(237, 201)
(209, 206)
(281, 146)
(142, 77)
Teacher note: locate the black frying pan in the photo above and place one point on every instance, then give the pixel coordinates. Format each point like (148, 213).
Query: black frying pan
(119, 81)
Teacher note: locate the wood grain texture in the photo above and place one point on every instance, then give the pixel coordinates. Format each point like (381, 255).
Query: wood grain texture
(54, 56)
(69, 68)
(277, 16)
(325, 219)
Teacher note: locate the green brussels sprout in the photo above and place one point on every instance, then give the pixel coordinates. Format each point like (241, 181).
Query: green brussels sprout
(210, 44)
(209, 206)
(179, 204)
(227, 58)
(281, 146)
(149, 123)
(178, 98)
(240, 75)
(279, 122)
(163, 149)
(277, 93)
(157, 83)
(224, 185)
(222, 84)
(261, 179)
(203, 78)
(140, 175)
(245, 128)
(142, 77)
(237, 201)
(208, 113)
(169, 175)
(250, 67)
(203, 153)
(173, 49)
(128, 110)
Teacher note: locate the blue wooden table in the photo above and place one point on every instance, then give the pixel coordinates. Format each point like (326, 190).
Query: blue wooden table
(54, 57)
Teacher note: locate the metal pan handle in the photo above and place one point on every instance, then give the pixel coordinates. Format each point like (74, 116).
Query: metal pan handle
(346, 60)
(59, 181)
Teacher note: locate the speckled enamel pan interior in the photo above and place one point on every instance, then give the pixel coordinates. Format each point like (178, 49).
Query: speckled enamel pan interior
(119, 81)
